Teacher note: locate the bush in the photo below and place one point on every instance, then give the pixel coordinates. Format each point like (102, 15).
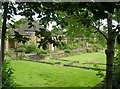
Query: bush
(89, 50)
(30, 48)
(67, 50)
(23, 56)
(21, 49)
(9, 54)
(62, 45)
(42, 52)
(7, 76)
(99, 73)
(116, 71)
(97, 47)
(69, 45)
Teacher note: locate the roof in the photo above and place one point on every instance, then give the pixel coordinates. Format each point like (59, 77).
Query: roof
(26, 31)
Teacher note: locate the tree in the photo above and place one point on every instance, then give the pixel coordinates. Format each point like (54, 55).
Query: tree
(86, 13)
(99, 11)
(5, 7)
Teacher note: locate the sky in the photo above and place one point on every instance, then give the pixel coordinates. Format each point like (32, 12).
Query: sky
(18, 17)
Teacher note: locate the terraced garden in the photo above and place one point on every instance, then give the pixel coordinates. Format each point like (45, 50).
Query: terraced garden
(89, 60)
(54, 73)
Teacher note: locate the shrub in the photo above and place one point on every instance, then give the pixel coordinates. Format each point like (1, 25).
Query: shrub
(69, 45)
(99, 73)
(97, 47)
(67, 50)
(89, 50)
(23, 56)
(30, 48)
(42, 52)
(7, 76)
(21, 48)
(9, 54)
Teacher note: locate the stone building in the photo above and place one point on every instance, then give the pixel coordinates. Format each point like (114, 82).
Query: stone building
(25, 31)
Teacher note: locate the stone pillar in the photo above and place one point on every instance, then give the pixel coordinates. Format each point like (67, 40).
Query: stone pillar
(51, 47)
(6, 45)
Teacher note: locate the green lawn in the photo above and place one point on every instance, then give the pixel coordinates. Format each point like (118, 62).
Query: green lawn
(33, 74)
(88, 58)
(82, 58)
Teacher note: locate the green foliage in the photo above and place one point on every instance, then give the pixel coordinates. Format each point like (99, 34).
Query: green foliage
(21, 48)
(99, 72)
(7, 76)
(20, 38)
(9, 54)
(89, 50)
(71, 44)
(116, 70)
(49, 12)
(31, 48)
(62, 45)
(97, 47)
(22, 56)
(75, 17)
(8, 35)
(74, 28)
(55, 40)
(28, 48)
(67, 50)
(17, 24)
(118, 39)
(42, 52)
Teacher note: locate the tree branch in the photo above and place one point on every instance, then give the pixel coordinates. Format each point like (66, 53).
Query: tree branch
(98, 30)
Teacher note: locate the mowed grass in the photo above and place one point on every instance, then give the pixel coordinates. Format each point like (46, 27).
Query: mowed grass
(88, 57)
(86, 60)
(33, 74)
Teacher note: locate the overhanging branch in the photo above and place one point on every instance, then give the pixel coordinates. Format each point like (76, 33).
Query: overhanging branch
(98, 30)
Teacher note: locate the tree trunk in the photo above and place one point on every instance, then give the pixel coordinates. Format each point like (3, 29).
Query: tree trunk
(109, 54)
(4, 29)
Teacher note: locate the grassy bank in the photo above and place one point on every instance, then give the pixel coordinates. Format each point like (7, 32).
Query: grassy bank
(33, 74)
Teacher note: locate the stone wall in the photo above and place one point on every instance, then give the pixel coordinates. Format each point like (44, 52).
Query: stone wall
(35, 57)
(63, 54)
